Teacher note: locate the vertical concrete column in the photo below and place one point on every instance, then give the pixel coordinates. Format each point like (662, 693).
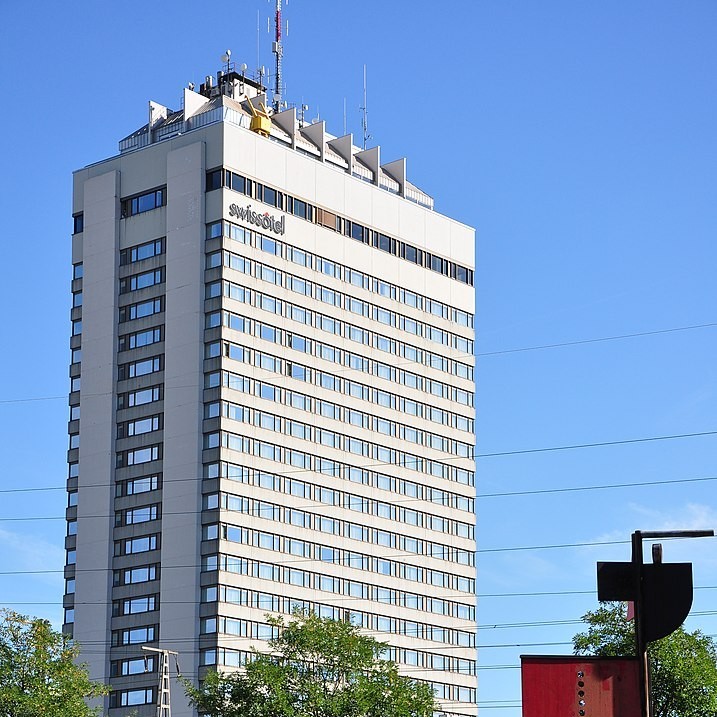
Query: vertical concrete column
(184, 383)
(95, 514)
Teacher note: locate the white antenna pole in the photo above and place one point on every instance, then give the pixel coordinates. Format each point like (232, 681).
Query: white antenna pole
(364, 109)
(344, 116)
(278, 51)
(164, 707)
(258, 54)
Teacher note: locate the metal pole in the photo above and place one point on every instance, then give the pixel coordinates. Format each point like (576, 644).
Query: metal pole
(640, 644)
(278, 51)
(164, 708)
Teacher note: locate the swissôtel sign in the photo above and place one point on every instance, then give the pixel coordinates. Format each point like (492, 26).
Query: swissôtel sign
(265, 220)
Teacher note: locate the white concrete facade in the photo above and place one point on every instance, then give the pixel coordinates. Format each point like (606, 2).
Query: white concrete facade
(272, 416)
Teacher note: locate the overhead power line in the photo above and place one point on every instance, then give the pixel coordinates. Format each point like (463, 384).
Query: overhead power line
(502, 494)
(574, 446)
(603, 486)
(481, 354)
(618, 337)
(383, 555)
(480, 596)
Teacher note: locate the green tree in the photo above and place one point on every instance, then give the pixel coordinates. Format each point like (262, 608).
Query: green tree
(683, 665)
(38, 676)
(319, 668)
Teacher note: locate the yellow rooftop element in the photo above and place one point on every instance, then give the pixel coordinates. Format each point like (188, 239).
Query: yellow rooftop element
(260, 120)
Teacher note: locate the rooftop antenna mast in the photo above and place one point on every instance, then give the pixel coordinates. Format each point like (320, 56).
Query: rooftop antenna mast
(364, 111)
(258, 54)
(278, 50)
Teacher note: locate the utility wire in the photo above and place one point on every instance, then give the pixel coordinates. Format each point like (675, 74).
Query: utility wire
(482, 354)
(506, 494)
(604, 486)
(24, 519)
(618, 337)
(574, 446)
(314, 560)
(480, 596)
(523, 451)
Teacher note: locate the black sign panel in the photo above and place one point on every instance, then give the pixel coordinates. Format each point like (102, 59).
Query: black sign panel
(667, 598)
(666, 593)
(616, 581)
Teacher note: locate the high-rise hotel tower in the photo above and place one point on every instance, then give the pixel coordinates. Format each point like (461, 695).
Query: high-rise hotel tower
(272, 400)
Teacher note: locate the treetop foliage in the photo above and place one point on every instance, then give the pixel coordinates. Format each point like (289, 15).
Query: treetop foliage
(317, 668)
(683, 665)
(38, 675)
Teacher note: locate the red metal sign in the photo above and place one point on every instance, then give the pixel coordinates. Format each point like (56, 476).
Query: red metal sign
(557, 686)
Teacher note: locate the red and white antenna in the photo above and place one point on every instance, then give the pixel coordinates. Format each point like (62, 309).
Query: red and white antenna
(278, 50)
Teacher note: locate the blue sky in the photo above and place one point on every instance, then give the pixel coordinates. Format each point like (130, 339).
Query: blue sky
(578, 138)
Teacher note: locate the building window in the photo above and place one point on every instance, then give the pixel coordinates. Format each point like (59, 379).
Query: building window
(139, 397)
(142, 251)
(214, 180)
(140, 338)
(135, 369)
(136, 575)
(139, 426)
(141, 309)
(238, 183)
(133, 516)
(144, 202)
(132, 546)
(133, 666)
(358, 232)
(138, 456)
(78, 223)
(135, 606)
(129, 698)
(143, 484)
(142, 281)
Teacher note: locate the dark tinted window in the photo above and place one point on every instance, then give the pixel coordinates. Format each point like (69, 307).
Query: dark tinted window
(438, 264)
(143, 203)
(386, 243)
(461, 274)
(238, 183)
(214, 180)
(300, 208)
(357, 231)
(270, 196)
(412, 254)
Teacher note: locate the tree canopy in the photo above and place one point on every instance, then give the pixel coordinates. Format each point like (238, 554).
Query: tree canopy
(318, 668)
(38, 675)
(683, 665)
